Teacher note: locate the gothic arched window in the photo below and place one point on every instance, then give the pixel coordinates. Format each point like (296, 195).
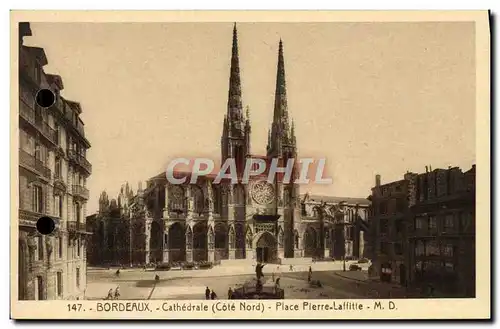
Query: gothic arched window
(198, 199)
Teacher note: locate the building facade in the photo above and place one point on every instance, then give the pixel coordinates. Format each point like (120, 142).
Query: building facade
(208, 221)
(53, 171)
(442, 231)
(388, 218)
(424, 230)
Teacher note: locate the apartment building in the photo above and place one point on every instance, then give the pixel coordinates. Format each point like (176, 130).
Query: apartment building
(388, 222)
(424, 231)
(442, 231)
(53, 173)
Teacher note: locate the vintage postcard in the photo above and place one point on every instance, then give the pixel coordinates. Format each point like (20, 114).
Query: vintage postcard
(250, 165)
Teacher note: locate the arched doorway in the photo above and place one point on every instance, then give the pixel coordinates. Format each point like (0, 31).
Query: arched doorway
(156, 242)
(176, 243)
(221, 243)
(266, 247)
(200, 251)
(310, 241)
(23, 271)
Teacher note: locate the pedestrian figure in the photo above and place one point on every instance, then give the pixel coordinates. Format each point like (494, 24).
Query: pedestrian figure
(258, 286)
(117, 292)
(309, 275)
(291, 268)
(110, 294)
(213, 295)
(273, 276)
(157, 278)
(207, 294)
(117, 272)
(230, 293)
(258, 271)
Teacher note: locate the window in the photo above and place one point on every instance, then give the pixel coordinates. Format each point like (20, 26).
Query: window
(78, 247)
(399, 226)
(432, 248)
(39, 247)
(419, 248)
(384, 226)
(383, 208)
(58, 168)
(59, 284)
(58, 133)
(400, 205)
(419, 223)
(57, 205)
(40, 291)
(466, 221)
(77, 212)
(78, 277)
(398, 248)
(449, 223)
(448, 250)
(27, 143)
(383, 248)
(37, 199)
(432, 224)
(60, 248)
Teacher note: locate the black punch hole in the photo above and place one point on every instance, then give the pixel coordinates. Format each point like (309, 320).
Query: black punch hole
(45, 98)
(45, 225)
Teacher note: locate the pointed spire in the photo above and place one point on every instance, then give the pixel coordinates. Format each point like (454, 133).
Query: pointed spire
(280, 134)
(292, 133)
(234, 104)
(268, 140)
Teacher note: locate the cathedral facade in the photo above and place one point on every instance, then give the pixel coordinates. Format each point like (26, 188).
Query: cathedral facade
(208, 221)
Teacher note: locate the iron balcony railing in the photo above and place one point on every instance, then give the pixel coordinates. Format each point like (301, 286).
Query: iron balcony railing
(33, 163)
(28, 218)
(29, 114)
(26, 112)
(75, 226)
(46, 130)
(80, 160)
(80, 191)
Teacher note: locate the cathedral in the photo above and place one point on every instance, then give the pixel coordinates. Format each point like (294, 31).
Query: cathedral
(227, 222)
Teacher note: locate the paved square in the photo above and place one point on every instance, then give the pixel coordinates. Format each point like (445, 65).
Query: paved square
(183, 285)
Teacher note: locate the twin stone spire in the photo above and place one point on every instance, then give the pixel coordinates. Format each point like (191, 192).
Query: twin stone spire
(281, 136)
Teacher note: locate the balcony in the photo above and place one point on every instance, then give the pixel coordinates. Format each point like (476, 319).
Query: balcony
(46, 130)
(26, 112)
(80, 160)
(75, 228)
(28, 218)
(29, 115)
(80, 192)
(30, 162)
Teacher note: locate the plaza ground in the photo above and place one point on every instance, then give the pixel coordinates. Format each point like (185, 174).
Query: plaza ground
(191, 284)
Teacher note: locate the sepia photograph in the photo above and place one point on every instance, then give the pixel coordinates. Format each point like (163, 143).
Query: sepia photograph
(197, 160)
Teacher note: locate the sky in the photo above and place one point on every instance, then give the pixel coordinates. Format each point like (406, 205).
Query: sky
(371, 98)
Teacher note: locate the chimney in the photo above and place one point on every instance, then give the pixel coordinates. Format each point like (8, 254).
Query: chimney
(426, 169)
(377, 180)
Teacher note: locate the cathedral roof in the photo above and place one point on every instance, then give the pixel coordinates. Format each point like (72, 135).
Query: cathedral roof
(336, 199)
